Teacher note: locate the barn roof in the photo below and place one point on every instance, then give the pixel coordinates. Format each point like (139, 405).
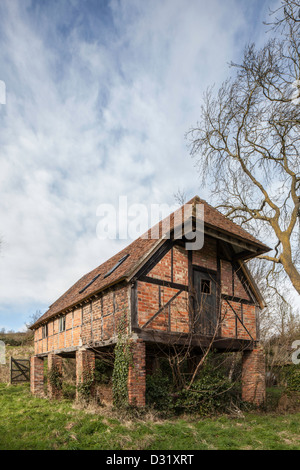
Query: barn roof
(124, 264)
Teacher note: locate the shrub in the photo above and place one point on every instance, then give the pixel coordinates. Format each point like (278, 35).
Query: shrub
(55, 378)
(292, 377)
(69, 391)
(103, 372)
(211, 392)
(158, 391)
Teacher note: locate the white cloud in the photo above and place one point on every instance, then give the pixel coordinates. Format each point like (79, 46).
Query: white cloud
(92, 117)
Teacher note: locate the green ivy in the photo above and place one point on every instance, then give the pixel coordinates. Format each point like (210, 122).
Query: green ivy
(84, 388)
(158, 391)
(211, 392)
(123, 359)
(55, 377)
(292, 377)
(103, 372)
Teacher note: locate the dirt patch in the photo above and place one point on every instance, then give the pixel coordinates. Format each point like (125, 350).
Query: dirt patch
(289, 402)
(105, 394)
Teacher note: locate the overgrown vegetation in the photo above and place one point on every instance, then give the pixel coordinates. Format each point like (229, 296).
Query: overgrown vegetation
(123, 359)
(17, 339)
(103, 372)
(85, 387)
(55, 378)
(28, 422)
(211, 392)
(291, 375)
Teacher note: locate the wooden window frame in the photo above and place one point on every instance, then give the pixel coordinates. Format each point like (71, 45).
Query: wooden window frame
(206, 282)
(62, 323)
(45, 331)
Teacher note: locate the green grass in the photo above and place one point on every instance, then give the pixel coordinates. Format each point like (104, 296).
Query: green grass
(27, 422)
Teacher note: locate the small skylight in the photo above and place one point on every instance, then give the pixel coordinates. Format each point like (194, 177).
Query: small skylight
(116, 266)
(91, 282)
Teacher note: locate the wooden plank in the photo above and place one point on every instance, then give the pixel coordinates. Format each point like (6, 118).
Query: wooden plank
(102, 317)
(172, 269)
(237, 299)
(247, 246)
(91, 316)
(155, 258)
(239, 320)
(114, 312)
(245, 283)
(194, 340)
(134, 305)
(162, 308)
(213, 272)
(160, 282)
(19, 368)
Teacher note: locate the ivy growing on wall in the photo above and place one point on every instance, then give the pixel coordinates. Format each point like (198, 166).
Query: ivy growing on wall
(123, 359)
(55, 378)
(84, 388)
(292, 377)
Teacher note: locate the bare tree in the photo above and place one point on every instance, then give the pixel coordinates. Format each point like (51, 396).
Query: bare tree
(180, 197)
(33, 318)
(247, 142)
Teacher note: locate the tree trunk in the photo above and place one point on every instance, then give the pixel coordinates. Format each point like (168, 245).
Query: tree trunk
(290, 269)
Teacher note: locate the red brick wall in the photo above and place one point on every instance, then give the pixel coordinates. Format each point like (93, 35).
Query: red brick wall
(36, 375)
(207, 256)
(162, 270)
(85, 362)
(95, 321)
(180, 265)
(98, 320)
(148, 305)
(229, 321)
(151, 297)
(253, 376)
(54, 362)
(137, 375)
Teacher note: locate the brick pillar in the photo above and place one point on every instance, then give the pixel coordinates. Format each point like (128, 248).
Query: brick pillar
(37, 375)
(253, 376)
(137, 375)
(85, 365)
(55, 386)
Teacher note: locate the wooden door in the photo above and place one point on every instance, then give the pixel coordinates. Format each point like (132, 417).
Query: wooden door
(205, 303)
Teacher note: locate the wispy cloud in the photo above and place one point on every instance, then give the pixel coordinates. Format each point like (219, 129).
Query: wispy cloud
(99, 98)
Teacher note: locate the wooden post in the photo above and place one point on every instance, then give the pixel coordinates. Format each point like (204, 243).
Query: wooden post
(10, 370)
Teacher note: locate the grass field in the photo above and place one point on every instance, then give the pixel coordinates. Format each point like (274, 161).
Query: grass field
(27, 422)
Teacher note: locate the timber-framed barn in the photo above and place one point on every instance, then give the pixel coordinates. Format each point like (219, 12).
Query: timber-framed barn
(169, 295)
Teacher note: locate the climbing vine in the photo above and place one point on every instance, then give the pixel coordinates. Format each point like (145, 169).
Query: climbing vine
(84, 388)
(123, 359)
(55, 377)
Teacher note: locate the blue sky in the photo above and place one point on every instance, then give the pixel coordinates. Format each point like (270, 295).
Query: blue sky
(99, 96)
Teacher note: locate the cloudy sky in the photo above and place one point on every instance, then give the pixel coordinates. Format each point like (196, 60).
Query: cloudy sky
(99, 96)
